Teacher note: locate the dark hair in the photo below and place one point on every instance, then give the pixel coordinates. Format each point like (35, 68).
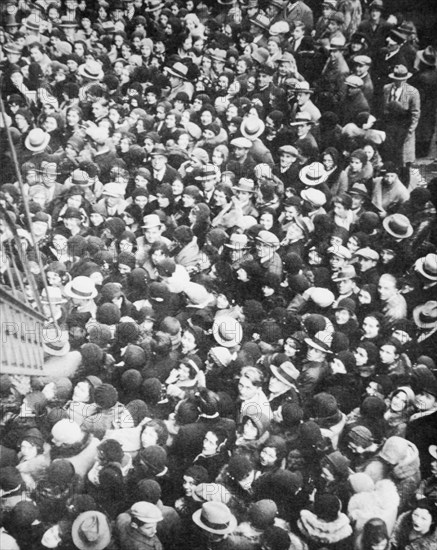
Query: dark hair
(160, 429)
(374, 531)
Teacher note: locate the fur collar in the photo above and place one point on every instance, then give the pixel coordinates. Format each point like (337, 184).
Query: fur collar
(324, 532)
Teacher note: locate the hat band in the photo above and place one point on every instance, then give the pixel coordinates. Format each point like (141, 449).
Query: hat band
(427, 318)
(213, 525)
(284, 375)
(313, 178)
(428, 271)
(80, 293)
(54, 346)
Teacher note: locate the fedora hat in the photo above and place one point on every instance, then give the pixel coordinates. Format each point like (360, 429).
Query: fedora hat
(322, 341)
(159, 149)
(261, 20)
(286, 57)
(32, 23)
(215, 517)
(427, 266)
(81, 178)
(313, 174)
(81, 287)
(52, 295)
(359, 189)
(302, 118)
(238, 241)
(59, 345)
(425, 315)
(400, 72)
(245, 184)
(260, 55)
(208, 172)
(337, 43)
(68, 23)
(37, 140)
(286, 373)
(227, 331)
(302, 87)
(154, 5)
(398, 226)
(218, 54)
(92, 70)
(428, 56)
(151, 220)
(12, 48)
(314, 196)
(91, 531)
(178, 69)
(252, 127)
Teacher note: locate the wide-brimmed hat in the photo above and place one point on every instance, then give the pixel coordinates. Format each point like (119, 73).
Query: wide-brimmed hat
(359, 189)
(154, 5)
(12, 48)
(37, 140)
(55, 342)
(400, 72)
(428, 56)
(314, 196)
(286, 373)
(215, 517)
(260, 55)
(238, 241)
(398, 225)
(32, 24)
(81, 287)
(302, 118)
(67, 23)
(91, 531)
(227, 331)
(81, 178)
(151, 220)
(252, 127)
(245, 184)
(425, 315)
(427, 266)
(313, 174)
(178, 69)
(159, 149)
(92, 70)
(208, 172)
(322, 341)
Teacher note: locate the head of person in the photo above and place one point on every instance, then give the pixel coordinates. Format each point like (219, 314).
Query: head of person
(250, 383)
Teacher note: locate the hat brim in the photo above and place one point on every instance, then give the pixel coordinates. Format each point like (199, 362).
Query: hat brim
(419, 268)
(254, 136)
(40, 147)
(423, 60)
(68, 291)
(385, 223)
(316, 345)
(301, 122)
(218, 338)
(100, 544)
(57, 352)
(175, 73)
(305, 197)
(416, 317)
(197, 518)
(81, 72)
(392, 76)
(155, 8)
(277, 375)
(432, 449)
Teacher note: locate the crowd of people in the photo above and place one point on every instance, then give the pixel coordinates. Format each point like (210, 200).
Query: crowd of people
(216, 207)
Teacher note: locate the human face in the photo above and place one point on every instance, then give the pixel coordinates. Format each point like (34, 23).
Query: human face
(425, 401)
(387, 354)
(266, 221)
(81, 393)
(364, 297)
(246, 483)
(188, 485)
(246, 389)
(210, 444)
(389, 179)
(314, 354)
(368, 149)
(370, 327)
(303, 129)
(263, 250)
(188, 342)
(422, 521)
(36, 55)
(361, 357)
(386, 288)
(398, 401)
(268, 456)
(158, 162)
(183, 373)
(345, 286)
(387, 256)
(206, 118)
(152, 234)
(148, 530)
(217, 158)
(149, 437)
(250, 431)
(275, 385)
(290, 347)
(355, 165)
(242, 274)
(177, 188)
(73, 118)
(28, 450)
(327, 474)
(21, 122)
(342, 316)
